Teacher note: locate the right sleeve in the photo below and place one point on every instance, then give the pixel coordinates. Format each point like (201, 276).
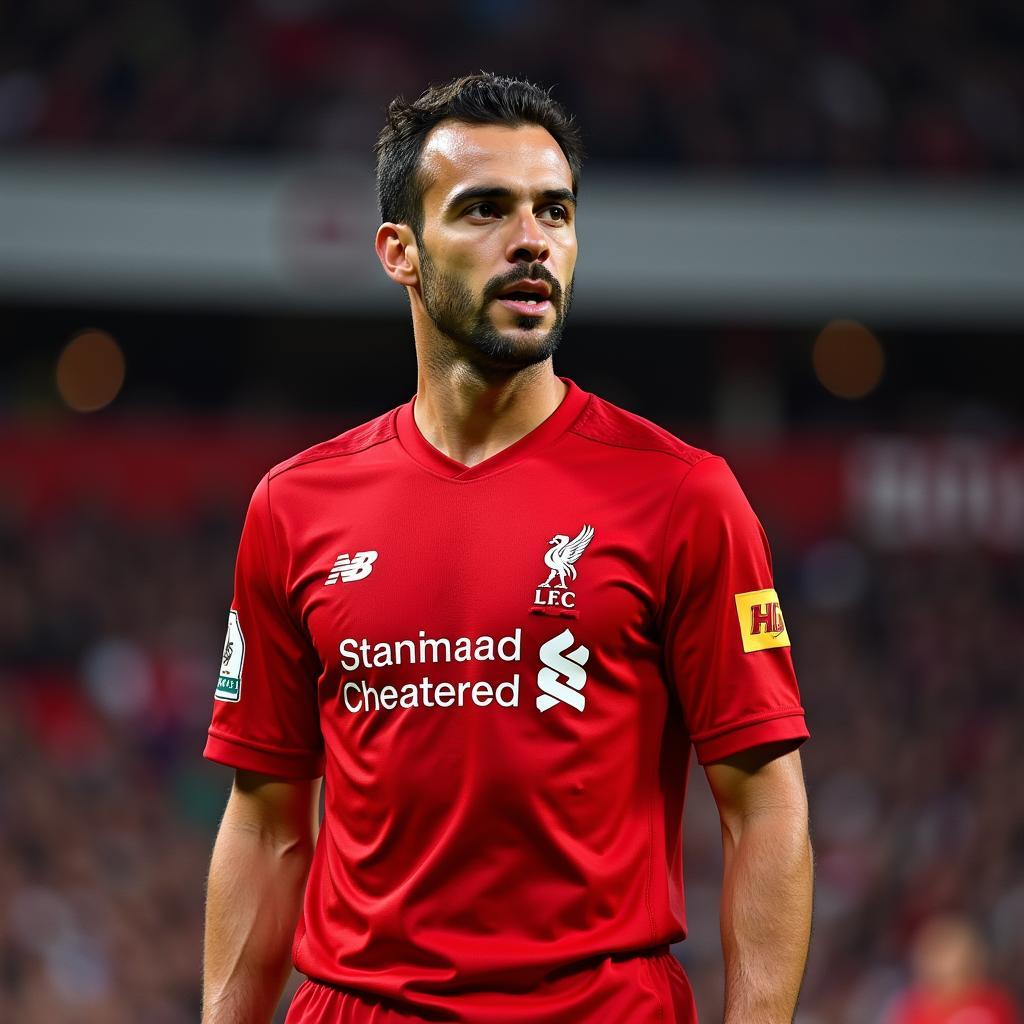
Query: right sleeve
(265, 712)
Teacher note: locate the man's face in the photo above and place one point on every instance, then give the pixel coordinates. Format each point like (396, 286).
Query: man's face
(498, 245)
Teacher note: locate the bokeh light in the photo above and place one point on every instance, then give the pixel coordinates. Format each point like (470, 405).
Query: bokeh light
(848, 359)
(90, 371)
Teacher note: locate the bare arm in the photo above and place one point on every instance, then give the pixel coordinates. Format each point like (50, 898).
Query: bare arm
(257, 877)
(767, 883)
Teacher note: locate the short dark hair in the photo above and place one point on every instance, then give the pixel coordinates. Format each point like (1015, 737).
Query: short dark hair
(483, 98)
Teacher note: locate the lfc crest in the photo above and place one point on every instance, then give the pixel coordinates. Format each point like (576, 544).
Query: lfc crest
(561, 557)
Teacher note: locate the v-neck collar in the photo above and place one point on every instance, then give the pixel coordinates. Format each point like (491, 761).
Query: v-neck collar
(546, 432)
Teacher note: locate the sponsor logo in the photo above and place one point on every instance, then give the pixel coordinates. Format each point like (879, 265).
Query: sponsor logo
(761, 623)
(361, 695)
(561, 558)
(229, 682)
(562, 678)
(348, 570)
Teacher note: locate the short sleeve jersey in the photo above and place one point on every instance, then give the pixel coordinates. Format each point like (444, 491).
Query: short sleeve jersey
(500, 671)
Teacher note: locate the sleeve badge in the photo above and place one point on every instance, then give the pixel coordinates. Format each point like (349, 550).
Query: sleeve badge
(761, 623)
(229, 681)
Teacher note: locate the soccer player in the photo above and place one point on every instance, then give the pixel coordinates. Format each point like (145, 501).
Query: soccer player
(494, 621)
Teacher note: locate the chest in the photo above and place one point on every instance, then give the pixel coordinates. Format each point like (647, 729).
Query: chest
(505, 633)
(466, 568)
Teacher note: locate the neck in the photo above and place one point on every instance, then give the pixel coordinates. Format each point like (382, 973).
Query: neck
(470, 412)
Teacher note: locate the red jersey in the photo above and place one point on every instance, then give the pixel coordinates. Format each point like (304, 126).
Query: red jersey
(500, 671)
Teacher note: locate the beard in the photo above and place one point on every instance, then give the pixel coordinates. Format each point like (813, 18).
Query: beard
(460, 316)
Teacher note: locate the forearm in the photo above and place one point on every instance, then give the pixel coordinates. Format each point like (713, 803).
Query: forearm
(254, 897)
(766, 915)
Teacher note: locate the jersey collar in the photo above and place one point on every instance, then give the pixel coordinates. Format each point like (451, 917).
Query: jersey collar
(544, 434)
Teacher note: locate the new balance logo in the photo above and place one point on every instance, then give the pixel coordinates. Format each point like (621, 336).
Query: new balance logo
(562, 677)
(348, 570)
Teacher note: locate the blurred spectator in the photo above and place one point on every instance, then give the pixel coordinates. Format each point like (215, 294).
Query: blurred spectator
(949, 959)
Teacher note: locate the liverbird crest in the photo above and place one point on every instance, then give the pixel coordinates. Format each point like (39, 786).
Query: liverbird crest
(562, 555)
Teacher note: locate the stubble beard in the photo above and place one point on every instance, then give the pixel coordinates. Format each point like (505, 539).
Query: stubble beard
(459, 316)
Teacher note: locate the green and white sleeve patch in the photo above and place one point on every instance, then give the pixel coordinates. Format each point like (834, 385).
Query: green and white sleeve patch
(229, 682)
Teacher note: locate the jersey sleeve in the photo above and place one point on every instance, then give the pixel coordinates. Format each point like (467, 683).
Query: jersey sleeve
(265, 714)
(727, 649)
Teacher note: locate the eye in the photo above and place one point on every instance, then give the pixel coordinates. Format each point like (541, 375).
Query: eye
(486, 210)
(557, 213)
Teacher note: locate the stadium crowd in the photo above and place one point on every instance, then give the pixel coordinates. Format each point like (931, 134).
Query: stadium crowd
(110, 635)
(794, 86)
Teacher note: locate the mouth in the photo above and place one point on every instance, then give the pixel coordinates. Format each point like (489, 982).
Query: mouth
(527, 298)
(525, 307)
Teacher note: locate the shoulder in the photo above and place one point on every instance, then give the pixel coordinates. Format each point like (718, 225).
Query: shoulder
(700, 483)
(700, 480)
(609, 424)
(352, 442)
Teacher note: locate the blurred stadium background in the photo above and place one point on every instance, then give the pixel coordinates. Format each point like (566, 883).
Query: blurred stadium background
(802, 245)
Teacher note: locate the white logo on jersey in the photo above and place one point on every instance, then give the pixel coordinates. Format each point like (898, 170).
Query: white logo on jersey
(559, 661)
(348, 570)
(564, 554)
(561, 559)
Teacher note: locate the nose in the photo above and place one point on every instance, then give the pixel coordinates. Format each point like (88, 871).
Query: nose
(527, 242)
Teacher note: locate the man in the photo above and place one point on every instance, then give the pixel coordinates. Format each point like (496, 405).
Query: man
(494, 620)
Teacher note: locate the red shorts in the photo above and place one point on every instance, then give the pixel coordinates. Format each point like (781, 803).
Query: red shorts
(647, 989)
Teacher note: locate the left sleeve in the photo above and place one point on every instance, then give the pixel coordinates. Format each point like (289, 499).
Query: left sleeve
(727, 650)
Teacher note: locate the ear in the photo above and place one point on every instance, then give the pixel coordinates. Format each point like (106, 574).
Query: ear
(396, 250)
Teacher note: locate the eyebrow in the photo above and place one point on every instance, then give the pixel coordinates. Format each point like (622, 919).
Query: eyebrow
(560, 195)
